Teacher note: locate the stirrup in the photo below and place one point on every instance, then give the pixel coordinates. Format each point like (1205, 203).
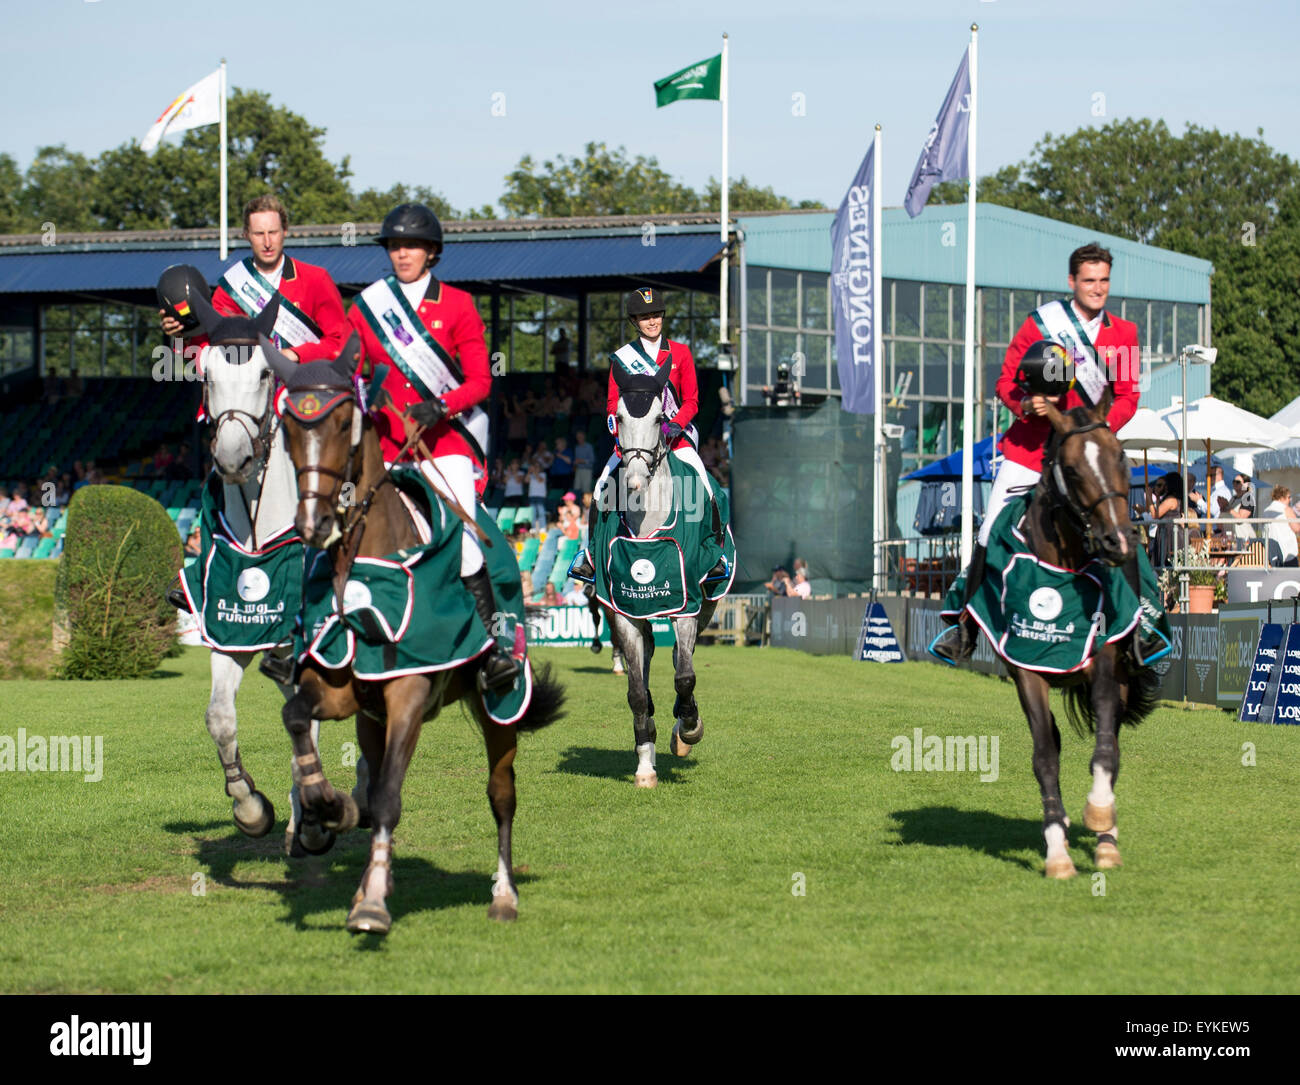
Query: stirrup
(177, 598)
(585, 572)
(954, 645)
(721, 571)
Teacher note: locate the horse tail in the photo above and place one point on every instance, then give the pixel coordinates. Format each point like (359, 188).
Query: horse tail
(547, 704)
(1143, 696)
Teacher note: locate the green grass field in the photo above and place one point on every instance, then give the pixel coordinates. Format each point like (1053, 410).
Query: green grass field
(915, 881)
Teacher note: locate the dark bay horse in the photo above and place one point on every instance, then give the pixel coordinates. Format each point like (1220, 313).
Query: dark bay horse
(336, 455)
(1079, 511)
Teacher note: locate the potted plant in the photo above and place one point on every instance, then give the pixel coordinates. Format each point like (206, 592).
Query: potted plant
(1203, 580)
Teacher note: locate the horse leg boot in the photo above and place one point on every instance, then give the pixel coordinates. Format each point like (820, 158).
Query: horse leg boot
(321, 804)
(1099, 810)
(957, 643)
(253, 813)
(1034, 694)
(500, 668)
(687, 727)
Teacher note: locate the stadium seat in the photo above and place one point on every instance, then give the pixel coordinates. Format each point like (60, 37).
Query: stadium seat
(44, 548)
(6, 552)
(506, 520)
(26, 548)
(529, 555)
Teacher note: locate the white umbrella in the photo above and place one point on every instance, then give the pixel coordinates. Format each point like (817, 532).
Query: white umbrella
(1217, 424)
(1146, 431)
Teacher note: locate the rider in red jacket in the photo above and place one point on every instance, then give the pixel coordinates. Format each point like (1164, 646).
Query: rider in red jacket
(1080, 320)
(432, 338)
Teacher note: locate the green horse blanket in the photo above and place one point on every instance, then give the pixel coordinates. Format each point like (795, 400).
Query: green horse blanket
(1045, 618)
(663, 574)
(244, 600)
(409, 613)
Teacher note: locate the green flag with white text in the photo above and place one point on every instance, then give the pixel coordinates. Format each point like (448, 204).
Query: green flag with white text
(702, 80)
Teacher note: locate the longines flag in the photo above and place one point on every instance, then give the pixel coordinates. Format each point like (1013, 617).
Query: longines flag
(851, 291)
(944, 158)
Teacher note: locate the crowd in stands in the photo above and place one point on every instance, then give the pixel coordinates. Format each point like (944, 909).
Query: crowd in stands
(782, 583)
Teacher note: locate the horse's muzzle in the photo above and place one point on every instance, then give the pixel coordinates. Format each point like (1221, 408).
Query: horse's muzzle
(1119, 546)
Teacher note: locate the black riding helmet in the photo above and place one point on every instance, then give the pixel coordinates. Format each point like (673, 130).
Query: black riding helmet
(410, 222)
(178, 286)
(643, 301)
(1047, 369)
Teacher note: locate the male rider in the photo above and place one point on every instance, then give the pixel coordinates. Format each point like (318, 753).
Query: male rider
(1104, 348)
(310, 324)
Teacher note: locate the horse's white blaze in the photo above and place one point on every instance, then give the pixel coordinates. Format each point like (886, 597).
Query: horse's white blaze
(1092, 452)
(1101, 795)
(1055, 836)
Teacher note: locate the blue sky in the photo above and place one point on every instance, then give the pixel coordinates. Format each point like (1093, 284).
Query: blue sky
(407, 89)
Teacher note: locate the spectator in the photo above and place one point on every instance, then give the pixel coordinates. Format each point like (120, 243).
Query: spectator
(560, 351)
(537, 494)
(584, 463)
(777, 584)
(63, 491)
(162, 459)
(516, 424)
(526, 580)
(1218, 488)
(1164, 504)
(543, 456)
(801, 587)
(4, 502)
(551, 597)
(561, 472)
(1283, 547)
(193, 544)
(575, 596)
(179, 469)
(570, 517)
(1242, 507)
(514, 484)
(801, 566)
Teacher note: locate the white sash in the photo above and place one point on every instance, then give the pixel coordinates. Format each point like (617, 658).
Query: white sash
(633, 358)
(1057, 321)
(417, 354)
(253, 293)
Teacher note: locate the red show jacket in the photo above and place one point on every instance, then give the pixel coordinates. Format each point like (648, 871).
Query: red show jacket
(312, 290)
(681, 379)
(1117, 353)
(451, 317)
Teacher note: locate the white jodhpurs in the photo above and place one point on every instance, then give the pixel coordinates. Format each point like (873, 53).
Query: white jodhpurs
(1011, 475)
(453, 477)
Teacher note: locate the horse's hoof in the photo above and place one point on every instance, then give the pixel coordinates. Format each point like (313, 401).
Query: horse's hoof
(647, 779)
(1099, 819)
(688, 735)
(314, 839)
(503, 909)
(368, 918)
(348, 817)
(1108, 856)
(263, 825)
(1060, 868)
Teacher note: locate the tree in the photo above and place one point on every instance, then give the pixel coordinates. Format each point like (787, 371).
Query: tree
(1229, 199)
(11, 191)
(59, 187)
(742, 195)
(603, 182)
(372, 205)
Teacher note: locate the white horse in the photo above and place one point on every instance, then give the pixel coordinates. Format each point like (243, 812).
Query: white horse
(649, 487)
(261, 498)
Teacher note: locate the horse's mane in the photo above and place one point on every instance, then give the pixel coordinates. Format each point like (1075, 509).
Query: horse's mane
(1079, 416)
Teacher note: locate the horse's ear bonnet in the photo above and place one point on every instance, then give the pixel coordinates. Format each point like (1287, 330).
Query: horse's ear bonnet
(640, 390)
(313, 389)
(235, 330)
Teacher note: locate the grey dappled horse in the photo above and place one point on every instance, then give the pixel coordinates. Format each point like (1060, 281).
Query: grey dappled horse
(649, 490)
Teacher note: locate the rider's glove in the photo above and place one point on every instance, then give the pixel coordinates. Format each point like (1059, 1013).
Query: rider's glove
(427, 413)
(672, 430)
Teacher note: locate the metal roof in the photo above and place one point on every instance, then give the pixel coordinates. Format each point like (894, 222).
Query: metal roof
(630, 253)
(1014, 249)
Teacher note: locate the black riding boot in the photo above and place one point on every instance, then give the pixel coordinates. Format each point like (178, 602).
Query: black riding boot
(720, 570)
(957, 643)
(500, 668)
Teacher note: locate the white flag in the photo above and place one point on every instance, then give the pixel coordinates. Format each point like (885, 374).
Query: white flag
(199, 105)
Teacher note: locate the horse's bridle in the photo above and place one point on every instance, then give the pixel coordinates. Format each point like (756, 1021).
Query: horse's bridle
(1060, 495)
(650, 456)
(260, 433)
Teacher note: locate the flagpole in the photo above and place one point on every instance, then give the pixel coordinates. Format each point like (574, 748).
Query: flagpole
(724, 330)
(877, 376)
(222, 215)
(968, 384)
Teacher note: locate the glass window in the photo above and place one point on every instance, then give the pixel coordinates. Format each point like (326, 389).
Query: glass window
(756, 302)
(997, 316)
(784, 299)
(959, 313)
(936, 311)
(904, 376)
(907, 308)
(935, 376)
(815, 301)
(1162, 328)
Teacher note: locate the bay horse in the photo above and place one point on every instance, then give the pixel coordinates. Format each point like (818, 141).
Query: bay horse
(260, 499)
(349, 506)
(1079, 511)
(650, 505)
